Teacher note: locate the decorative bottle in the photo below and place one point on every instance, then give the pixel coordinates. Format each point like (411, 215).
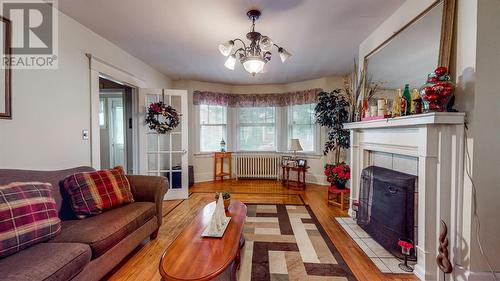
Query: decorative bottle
(407, 98)
(396, 104)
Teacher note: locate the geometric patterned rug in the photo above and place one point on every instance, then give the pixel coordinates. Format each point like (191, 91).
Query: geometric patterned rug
(286, 242)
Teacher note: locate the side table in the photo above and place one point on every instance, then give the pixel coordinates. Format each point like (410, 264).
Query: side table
(219, 165)
(301, 176)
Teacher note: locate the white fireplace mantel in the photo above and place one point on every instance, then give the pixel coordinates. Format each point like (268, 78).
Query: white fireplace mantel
(437, 141)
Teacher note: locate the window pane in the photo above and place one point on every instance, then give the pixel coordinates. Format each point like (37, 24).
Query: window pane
(256, 115)
(210, 137)
(203, 114)
(302, 125)
(257, 137)
(305, 134)
(210, 114)
(303, 114)
(102, 119)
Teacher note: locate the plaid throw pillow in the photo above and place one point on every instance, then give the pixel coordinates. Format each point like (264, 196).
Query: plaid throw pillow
(91, 193)
(28, 215)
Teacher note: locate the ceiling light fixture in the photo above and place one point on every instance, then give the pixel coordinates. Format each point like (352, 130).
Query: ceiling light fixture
(255, 56)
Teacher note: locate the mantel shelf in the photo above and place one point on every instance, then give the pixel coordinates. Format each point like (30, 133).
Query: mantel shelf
(433, 118)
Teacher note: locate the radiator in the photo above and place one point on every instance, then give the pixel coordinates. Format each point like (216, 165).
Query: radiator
(257, 166)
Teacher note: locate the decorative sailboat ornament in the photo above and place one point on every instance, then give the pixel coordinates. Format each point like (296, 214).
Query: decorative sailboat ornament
(219, 222)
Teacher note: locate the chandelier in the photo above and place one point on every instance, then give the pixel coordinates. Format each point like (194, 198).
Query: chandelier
(254, 56)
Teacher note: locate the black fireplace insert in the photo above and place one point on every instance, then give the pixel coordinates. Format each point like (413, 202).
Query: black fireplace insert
(387, 207)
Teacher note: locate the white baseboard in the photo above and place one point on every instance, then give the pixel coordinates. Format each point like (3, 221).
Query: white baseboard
(310, 178)
(462, 274)
(203, 177)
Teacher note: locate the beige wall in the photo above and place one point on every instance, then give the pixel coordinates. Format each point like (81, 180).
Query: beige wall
(483, 107)
(52, 107)
(203, 164)
(475, 61)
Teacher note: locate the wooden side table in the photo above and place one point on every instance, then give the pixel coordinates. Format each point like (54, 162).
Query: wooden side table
(219, 165)
(301, 176)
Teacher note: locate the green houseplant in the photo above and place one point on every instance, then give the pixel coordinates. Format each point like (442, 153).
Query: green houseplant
(226, 196)
(332, 111)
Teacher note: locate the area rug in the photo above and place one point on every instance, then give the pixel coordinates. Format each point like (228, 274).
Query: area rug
(286, 242)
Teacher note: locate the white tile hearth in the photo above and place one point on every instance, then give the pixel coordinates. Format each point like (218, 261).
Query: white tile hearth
(382, 259)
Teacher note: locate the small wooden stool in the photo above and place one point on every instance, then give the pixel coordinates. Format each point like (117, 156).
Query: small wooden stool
(337, 196)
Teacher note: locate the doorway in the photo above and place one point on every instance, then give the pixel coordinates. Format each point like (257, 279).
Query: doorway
(115, 125)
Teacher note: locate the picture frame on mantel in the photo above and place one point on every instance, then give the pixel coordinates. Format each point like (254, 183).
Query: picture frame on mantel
(5, 71)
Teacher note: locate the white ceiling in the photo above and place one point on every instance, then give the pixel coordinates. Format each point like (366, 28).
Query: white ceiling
(180, 37)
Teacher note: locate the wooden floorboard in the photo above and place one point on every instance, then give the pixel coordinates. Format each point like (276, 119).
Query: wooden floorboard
(143, 263)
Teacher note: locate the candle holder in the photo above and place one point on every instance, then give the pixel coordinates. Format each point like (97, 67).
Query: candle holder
(406, 246)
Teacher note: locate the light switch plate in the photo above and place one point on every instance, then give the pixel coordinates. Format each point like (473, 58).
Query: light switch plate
(85, 134)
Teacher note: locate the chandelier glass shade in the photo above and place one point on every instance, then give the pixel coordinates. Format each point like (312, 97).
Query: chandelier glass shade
(255, 55)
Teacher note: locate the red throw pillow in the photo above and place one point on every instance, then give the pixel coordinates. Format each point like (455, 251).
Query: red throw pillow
(28, 215)
(91, 193)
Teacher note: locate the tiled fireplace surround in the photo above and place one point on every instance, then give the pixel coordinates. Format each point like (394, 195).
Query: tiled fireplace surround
(431, 146)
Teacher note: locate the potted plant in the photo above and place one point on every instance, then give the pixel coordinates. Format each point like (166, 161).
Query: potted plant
(331, 112)
(226, 196)
(338, 174)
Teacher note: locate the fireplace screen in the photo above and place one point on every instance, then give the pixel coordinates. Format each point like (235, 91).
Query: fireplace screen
(387, 207)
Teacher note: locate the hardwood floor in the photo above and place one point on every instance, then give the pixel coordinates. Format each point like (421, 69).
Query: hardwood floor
(143, 263)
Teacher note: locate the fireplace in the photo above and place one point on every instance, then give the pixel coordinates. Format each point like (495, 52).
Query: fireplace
(436, 140)
(387, 207)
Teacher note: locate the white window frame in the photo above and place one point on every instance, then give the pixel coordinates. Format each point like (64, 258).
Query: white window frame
(199, 127)
(276, 131)
(315, 133)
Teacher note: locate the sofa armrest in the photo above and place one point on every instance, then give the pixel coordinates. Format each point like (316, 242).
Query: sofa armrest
(149, 189)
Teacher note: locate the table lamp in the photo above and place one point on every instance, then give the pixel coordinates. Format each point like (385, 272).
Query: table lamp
(295, 146)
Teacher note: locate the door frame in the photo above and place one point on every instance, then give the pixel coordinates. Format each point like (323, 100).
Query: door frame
(100, 68)
(172, 194)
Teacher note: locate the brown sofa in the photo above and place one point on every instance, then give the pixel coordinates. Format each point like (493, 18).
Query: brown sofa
(86, 249)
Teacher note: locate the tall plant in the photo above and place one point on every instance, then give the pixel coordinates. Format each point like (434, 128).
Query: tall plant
(332, 111)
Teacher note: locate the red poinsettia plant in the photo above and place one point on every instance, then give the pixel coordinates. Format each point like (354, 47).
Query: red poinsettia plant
(338, 174)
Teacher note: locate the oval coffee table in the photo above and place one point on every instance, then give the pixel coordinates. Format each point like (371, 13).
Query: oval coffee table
(193, 257)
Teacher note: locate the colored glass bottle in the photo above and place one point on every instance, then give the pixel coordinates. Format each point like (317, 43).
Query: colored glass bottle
(407, 97)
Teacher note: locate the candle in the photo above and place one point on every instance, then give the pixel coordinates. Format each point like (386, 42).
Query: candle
(373, 110)
(381, 105)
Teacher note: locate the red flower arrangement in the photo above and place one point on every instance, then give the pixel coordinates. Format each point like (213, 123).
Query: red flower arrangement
(404, 244)
(338, 174)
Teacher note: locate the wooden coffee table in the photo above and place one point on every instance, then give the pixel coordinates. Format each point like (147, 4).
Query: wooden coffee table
(192, 257)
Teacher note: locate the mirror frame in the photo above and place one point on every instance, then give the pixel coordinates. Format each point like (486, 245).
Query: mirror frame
(7, 47)
(447, 22)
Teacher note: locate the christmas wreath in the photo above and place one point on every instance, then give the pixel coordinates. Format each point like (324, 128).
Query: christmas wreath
(169, 113)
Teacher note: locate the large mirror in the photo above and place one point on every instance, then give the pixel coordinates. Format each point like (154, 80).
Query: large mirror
(413, 52)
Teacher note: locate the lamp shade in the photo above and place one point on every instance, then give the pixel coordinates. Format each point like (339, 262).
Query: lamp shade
(253, 64)
(230, 62)
(226, 48)
(284, 54)
(295, 145)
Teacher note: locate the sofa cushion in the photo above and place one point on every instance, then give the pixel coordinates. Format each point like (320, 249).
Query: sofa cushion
(28, 215)
(104, 231)
(46, 261)
(53, 177)
(91, 193)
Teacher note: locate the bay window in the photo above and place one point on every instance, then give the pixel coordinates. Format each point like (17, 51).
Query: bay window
(213, 124)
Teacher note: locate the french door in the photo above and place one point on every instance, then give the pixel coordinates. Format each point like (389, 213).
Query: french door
(165, 154)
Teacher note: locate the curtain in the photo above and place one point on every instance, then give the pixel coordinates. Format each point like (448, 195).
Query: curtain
(256, 100)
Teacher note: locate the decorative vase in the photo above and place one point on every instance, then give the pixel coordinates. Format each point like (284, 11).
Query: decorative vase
(437, 92)
(226, 203)
(339, 184)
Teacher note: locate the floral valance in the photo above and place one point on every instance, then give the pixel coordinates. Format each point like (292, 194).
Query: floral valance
(256, 100)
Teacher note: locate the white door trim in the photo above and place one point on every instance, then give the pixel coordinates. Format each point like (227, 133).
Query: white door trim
(99, 67)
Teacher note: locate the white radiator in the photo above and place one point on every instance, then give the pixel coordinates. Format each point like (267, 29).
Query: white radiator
(257, 166)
